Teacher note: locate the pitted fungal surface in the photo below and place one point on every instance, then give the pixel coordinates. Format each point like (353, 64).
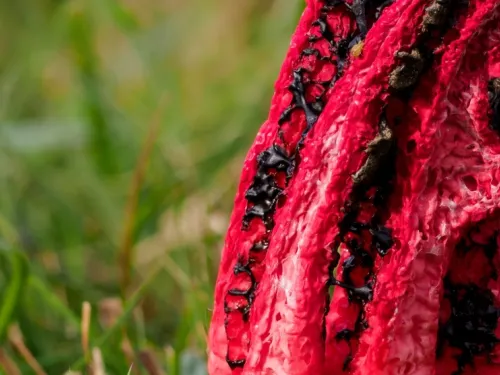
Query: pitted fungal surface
(319, 66)
(373, 182)
(380, 143)
(362, 231)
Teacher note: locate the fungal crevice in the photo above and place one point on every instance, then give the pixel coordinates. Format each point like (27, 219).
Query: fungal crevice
(469, 311)
(364, 235)
(373, 181)
(319, 65)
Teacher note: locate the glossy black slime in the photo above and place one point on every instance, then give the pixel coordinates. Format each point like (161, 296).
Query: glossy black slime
(264, 194)
(248, 294)
(235, 364)
(382, 239)
(275, 157)
(260, 246)
(311, 110)
(323, 29)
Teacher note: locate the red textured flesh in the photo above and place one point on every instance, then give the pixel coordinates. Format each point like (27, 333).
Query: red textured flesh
(442, 187)
(395, 30)
(287, 319)
(436, 206)
(475, 182)
(237, 241)
(472, 268)
(229, 334)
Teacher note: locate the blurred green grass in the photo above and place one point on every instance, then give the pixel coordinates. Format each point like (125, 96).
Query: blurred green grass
(89, 210)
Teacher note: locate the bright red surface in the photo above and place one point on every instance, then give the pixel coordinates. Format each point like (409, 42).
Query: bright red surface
(448, 176)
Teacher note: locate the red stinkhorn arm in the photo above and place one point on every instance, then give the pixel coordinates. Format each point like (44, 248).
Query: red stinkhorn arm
(375, 176)
(317, 55)
(446, 183)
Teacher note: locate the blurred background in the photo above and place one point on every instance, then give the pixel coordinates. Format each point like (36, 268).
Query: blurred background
(123, 127)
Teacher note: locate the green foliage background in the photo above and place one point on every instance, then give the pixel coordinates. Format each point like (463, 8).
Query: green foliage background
(85, 217)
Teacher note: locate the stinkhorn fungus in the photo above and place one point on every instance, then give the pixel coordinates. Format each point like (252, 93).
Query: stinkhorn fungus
(365, 233)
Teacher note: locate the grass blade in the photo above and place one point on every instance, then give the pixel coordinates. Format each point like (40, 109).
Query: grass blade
(17, 271)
